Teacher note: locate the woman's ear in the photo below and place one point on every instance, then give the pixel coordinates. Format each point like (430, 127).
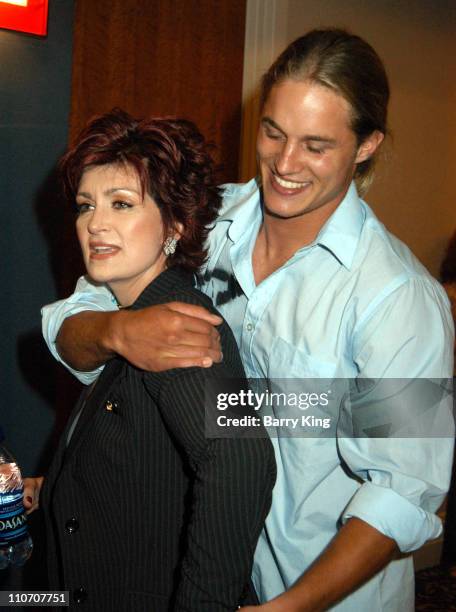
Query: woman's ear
(178, 230)
(369, 146)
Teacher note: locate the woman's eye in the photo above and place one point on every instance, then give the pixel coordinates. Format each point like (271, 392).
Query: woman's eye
(121, 205)
(83, 207)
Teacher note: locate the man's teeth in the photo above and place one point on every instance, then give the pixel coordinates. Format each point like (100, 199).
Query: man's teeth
(288, 184)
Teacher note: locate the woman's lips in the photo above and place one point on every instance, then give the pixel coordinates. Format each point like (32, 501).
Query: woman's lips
(102, 251)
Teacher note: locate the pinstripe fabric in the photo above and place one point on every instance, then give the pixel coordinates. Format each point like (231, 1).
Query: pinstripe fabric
(164, 519)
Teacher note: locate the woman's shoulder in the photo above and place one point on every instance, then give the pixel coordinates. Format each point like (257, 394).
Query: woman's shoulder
(177, 285)
(173, 285)
(192, 295)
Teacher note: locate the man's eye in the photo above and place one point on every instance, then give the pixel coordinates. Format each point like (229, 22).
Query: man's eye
(315, 149)
(121, 205)
(83, 207)
(273, 135)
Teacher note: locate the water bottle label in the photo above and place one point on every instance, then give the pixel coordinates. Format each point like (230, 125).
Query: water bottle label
(13, 520)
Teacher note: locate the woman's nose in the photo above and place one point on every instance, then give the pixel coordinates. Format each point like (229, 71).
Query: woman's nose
(98, 221)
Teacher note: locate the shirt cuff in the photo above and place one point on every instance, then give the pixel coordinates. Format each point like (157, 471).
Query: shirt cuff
(54, 314)
(86, 378)
(51, 324)
(394, 516)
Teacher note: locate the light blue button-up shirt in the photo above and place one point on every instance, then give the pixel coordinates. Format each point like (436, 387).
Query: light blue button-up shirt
(353, 304)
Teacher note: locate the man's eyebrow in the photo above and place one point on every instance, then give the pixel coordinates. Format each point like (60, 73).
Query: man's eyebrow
(271, 123)
(315, 138)
(308, 137)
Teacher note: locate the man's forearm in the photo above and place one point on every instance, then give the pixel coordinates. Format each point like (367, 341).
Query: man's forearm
(87, 340)
(356, 554)
(156, 338)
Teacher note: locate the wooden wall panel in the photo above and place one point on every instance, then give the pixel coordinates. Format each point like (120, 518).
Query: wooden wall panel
(163, 57)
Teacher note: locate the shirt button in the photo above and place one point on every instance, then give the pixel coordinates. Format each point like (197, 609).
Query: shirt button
(79, 595)
(249, 327)
(72, 525)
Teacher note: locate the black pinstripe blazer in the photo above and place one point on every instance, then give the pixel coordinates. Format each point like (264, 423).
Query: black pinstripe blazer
(143, 512)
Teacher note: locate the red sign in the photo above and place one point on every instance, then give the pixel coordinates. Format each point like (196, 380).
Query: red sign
(24, 16)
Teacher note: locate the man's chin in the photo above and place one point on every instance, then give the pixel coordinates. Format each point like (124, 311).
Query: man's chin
(285, 212)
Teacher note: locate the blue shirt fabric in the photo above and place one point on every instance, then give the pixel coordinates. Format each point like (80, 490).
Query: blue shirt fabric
(354, 304)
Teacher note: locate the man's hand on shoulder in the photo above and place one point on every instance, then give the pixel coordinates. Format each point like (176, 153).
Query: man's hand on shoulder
(156, 338)
(173, 335)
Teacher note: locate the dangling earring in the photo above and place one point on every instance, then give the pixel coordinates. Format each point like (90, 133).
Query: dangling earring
(169, 246)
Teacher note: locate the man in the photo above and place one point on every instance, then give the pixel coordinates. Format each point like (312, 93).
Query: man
(313, 287)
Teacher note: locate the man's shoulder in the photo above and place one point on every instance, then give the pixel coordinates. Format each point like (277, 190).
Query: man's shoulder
(385, 255)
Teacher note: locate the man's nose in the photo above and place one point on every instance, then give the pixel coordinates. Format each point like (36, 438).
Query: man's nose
(289, 159)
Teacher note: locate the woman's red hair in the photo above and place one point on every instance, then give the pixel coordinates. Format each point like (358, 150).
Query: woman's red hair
(173, 164)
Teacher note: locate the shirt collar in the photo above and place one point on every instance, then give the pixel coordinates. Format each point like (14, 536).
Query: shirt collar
(339, 235)
(341, 232)
(245, 212)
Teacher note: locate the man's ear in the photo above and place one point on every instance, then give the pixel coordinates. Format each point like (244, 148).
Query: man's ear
(368, 147)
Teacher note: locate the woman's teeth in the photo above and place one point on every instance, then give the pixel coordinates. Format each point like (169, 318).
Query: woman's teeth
(102, 249)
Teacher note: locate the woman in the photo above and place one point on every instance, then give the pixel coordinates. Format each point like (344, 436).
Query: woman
(144, 512)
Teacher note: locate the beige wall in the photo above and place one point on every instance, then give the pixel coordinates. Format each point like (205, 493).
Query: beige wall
(414, 192)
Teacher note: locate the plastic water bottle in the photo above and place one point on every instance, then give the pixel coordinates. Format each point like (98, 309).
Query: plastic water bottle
(15, 542)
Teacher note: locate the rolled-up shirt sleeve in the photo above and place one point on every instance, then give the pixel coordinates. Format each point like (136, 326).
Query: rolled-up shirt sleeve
(401, 446)
(86, 296)
(400, 499)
